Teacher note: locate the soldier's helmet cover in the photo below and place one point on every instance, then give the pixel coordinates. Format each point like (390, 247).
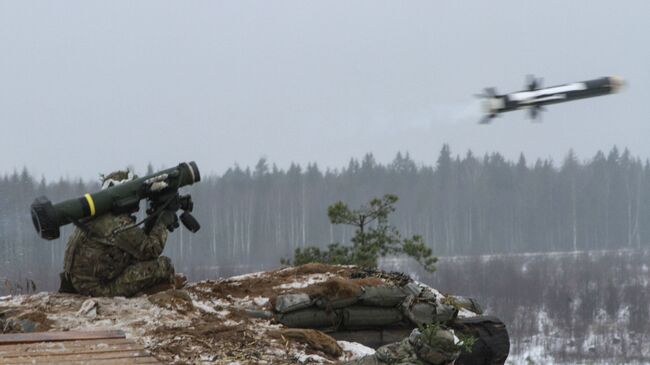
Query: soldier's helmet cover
(438, 347)
(116, 178)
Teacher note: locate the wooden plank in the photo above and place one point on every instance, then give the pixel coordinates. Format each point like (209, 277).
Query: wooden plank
(131, 361)
(125, 361)
(54, 346)
(91, 357)
(72, 350)
(14, 338)
(73, 347)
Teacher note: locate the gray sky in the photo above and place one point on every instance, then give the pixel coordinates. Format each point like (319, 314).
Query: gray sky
(88, 87)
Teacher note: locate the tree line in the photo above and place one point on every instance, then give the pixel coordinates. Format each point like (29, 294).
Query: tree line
(463, 205)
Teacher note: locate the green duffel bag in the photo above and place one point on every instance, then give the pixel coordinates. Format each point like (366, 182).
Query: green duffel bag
(382, 296)
(311, 318)
(361, 317)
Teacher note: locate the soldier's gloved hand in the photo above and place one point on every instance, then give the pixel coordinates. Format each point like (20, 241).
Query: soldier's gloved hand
(169, 219)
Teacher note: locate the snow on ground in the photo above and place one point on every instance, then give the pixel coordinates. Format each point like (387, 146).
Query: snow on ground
(353, 350)
(608, 342)
(305, 281)
(247, 276)
(304, 358)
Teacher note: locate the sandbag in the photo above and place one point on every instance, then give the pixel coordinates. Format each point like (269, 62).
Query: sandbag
(335, 293)
(445, 312)
(292, 302)
(470, 304)
(382, 296)
(412, 289)
(361, 317)
(326, 303)
(311, 318)
(420, 313)
(425, 312)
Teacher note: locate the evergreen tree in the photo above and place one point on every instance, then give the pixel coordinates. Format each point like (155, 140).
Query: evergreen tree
(374, 237)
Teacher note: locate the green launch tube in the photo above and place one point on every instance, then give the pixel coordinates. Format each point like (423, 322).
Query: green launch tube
(122, 198)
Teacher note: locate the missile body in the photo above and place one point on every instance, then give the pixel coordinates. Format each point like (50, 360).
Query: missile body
(535, 98)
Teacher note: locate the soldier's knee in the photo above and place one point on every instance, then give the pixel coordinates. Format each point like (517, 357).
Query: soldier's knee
(89, 288)
(165, 264)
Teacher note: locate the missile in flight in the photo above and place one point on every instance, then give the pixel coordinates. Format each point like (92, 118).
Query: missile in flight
(535, 97)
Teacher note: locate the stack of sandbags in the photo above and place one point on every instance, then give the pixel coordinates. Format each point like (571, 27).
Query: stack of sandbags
(370, 303)
(341, 304)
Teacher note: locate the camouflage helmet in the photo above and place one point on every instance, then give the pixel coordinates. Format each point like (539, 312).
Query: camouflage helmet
(116, 178)
(435, 345)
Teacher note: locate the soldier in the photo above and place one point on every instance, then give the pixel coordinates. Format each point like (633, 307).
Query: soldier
(437, 347)
(100, 262)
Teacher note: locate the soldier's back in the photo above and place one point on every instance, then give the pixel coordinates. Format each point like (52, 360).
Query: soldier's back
(92, 254)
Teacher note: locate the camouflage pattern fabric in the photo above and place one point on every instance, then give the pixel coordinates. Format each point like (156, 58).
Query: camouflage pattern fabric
(100, 264)
(410, 351)
(116, 178)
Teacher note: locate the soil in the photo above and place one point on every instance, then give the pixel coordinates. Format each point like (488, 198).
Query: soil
(178, 300)
(266, 284)
(15, 321)
(333, 289)
(315, 339)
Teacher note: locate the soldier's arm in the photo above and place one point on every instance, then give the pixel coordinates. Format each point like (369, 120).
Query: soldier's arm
(141, 245)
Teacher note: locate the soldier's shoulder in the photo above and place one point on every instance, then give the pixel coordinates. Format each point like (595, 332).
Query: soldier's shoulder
(108, 222)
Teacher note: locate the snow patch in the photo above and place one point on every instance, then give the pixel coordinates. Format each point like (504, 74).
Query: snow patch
(246, 276)
(464, 313)
(354, 350)
(231, 323)
(303, 358)
(260, 301)
(304, 282)
(203, 306)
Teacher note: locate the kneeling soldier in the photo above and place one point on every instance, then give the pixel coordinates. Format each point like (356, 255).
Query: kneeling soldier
(100, 262)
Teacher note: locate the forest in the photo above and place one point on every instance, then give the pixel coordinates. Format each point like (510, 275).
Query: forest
(463, 205)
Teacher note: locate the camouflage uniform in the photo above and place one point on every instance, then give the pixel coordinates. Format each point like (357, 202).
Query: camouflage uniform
(414, 350)
(119, 265)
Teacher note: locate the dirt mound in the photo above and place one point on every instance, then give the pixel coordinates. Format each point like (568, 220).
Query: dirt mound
(253, 287)
(270, 284)
(369, 281)
(333, 289)
(393, 278)
(315, 339)
(177, 300)
(17, 321)
(314, 268)
(209, 321)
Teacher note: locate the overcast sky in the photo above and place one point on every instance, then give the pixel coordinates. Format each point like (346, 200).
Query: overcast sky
(89, 87)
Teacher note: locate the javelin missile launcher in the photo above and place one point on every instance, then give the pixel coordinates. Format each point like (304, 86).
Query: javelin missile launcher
(160, 189)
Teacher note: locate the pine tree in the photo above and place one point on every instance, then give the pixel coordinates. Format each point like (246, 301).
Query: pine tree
(374, 237)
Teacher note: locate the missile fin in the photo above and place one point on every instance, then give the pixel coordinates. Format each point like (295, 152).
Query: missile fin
(487, 119)
(533, 83)
(536, 113)
(530, 82)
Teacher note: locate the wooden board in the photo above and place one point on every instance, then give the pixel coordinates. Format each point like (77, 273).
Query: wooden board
(12, 338)
(73, 347)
